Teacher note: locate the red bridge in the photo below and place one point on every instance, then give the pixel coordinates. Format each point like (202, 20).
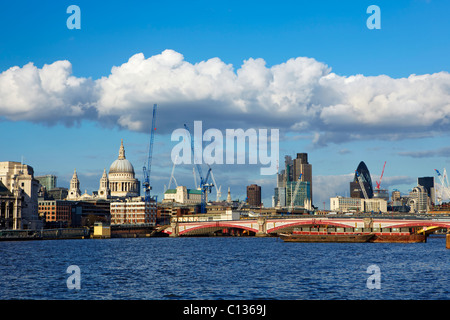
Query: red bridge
(265, 226)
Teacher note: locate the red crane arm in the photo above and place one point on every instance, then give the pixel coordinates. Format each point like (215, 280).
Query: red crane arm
(381, 177)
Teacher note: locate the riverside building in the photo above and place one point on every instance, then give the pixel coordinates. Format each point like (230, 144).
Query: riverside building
(19, 198)
(133, 211)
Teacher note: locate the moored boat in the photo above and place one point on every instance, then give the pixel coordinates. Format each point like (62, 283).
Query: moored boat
(341, 234)
(399, 238)
(326, 237)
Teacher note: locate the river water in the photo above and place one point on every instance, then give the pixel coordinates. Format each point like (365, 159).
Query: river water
(215, 268)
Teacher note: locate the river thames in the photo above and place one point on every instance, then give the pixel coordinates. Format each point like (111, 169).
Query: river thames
(223, 268)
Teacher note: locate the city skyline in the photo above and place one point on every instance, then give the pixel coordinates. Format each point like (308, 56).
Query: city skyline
(335, 89)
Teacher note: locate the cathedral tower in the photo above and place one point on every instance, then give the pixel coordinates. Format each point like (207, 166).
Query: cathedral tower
(74, 191)
(104, 191)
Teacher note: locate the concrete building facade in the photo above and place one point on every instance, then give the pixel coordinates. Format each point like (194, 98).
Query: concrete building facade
(133, 212)
(184, 195)
(19, 179)
(345, 204)
(418, 200)
(10, 208)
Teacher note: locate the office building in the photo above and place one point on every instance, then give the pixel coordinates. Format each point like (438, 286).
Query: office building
(428, 184)
(254, 195)
(344, 204)
(287, 180)
(57, 193)
(302, 166)
(396, 196)
(355, 187)
(381, 194)
(418, 200)
(48, 181)
(184, 195)
(133, 212)
(52, 211)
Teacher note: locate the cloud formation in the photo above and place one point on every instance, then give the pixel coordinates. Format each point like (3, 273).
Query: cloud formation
(300, 95)
(441, 152)
(50, 94)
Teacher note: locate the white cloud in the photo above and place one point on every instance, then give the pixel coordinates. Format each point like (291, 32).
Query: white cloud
(384, 102)
(49, 94)
(300, 95)
(441, 152)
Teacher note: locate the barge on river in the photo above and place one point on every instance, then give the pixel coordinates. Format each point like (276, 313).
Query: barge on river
(307, 234)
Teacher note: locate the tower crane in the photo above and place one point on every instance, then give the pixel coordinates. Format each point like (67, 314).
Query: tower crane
(444, 182)
(204, 185)
(172, 177)
(218, 190)
(148, 168)
(242, 203)
(297, 185)
(381, 177)
(195, 177)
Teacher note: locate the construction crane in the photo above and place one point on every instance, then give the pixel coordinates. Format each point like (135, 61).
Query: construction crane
(381, 177)
(172, 177)
(361, 184)
(195, 177)
(204, 185)
(444, 183)
(297, 185)
(148, 168)
(242, 203)
(218, 190)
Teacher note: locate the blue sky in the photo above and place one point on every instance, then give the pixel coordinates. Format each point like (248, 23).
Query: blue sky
(336, 129)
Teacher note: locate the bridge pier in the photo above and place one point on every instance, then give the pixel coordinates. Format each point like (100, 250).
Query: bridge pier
(175, 229)
(447, 240)
(262, 227)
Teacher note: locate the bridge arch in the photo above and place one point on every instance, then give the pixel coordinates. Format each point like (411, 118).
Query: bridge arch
(305, 223)
(422, 224)
(215, 226)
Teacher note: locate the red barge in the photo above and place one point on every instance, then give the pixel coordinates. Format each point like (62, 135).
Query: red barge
(353, 235)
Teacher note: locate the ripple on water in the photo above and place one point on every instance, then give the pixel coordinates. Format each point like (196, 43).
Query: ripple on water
(222, 268)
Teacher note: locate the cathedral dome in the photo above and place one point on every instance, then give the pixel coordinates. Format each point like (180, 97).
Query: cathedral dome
(122, 181)
(121, 165)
